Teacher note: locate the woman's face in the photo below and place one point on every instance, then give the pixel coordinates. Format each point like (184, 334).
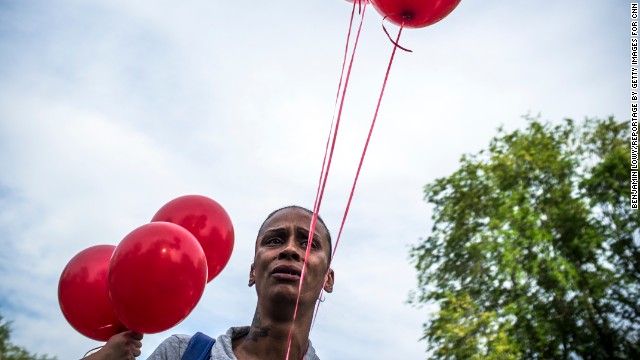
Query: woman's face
(280, 250)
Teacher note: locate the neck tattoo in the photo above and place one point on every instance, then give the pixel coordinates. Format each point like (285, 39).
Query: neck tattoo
(257, 331)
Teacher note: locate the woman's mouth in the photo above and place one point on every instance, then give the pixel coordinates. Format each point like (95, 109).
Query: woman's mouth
(286, 272)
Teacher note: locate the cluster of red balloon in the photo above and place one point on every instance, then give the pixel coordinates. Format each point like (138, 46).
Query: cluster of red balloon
(155, 276)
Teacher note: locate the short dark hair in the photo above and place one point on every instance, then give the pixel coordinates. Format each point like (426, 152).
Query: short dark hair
(310, 213)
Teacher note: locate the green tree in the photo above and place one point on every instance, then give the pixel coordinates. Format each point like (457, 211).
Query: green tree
(9, 351)
(534, 252)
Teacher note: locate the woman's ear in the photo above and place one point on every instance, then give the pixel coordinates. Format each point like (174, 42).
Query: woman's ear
(252, 276)
(328, 281)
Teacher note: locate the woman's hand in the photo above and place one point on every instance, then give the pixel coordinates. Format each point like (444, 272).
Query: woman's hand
(123, 346)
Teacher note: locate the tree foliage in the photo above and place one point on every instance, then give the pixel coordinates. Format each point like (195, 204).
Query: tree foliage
(9, 351)
(534, 252)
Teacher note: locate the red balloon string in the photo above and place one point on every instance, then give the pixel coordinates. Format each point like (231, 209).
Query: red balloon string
(364, 151)
(366, 145)
(390, 39)
(92, 350)
(335, 105)
(325, 171)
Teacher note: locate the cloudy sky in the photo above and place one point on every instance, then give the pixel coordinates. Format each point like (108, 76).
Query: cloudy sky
(109, 109)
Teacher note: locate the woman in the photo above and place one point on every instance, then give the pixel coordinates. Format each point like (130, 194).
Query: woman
(276, 272)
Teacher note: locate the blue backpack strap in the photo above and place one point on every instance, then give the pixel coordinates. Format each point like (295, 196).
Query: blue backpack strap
(199, 347)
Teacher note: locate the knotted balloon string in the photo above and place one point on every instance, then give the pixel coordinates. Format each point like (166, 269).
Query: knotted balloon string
(395, 43)
(364, 152)
(325, 171)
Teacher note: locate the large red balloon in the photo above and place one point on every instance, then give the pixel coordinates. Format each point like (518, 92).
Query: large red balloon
(156, 277)
(415, 13)
(84, 297)
(208, 222)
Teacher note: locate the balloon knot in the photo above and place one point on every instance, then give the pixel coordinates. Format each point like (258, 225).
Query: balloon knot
(390, 39)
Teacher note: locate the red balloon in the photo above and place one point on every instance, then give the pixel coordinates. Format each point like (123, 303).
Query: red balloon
(156, 277)
(84, 297)
(415, 13)
(208, 222)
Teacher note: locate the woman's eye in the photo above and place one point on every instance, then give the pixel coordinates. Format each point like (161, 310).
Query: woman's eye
(273, 241)
(304, 244)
